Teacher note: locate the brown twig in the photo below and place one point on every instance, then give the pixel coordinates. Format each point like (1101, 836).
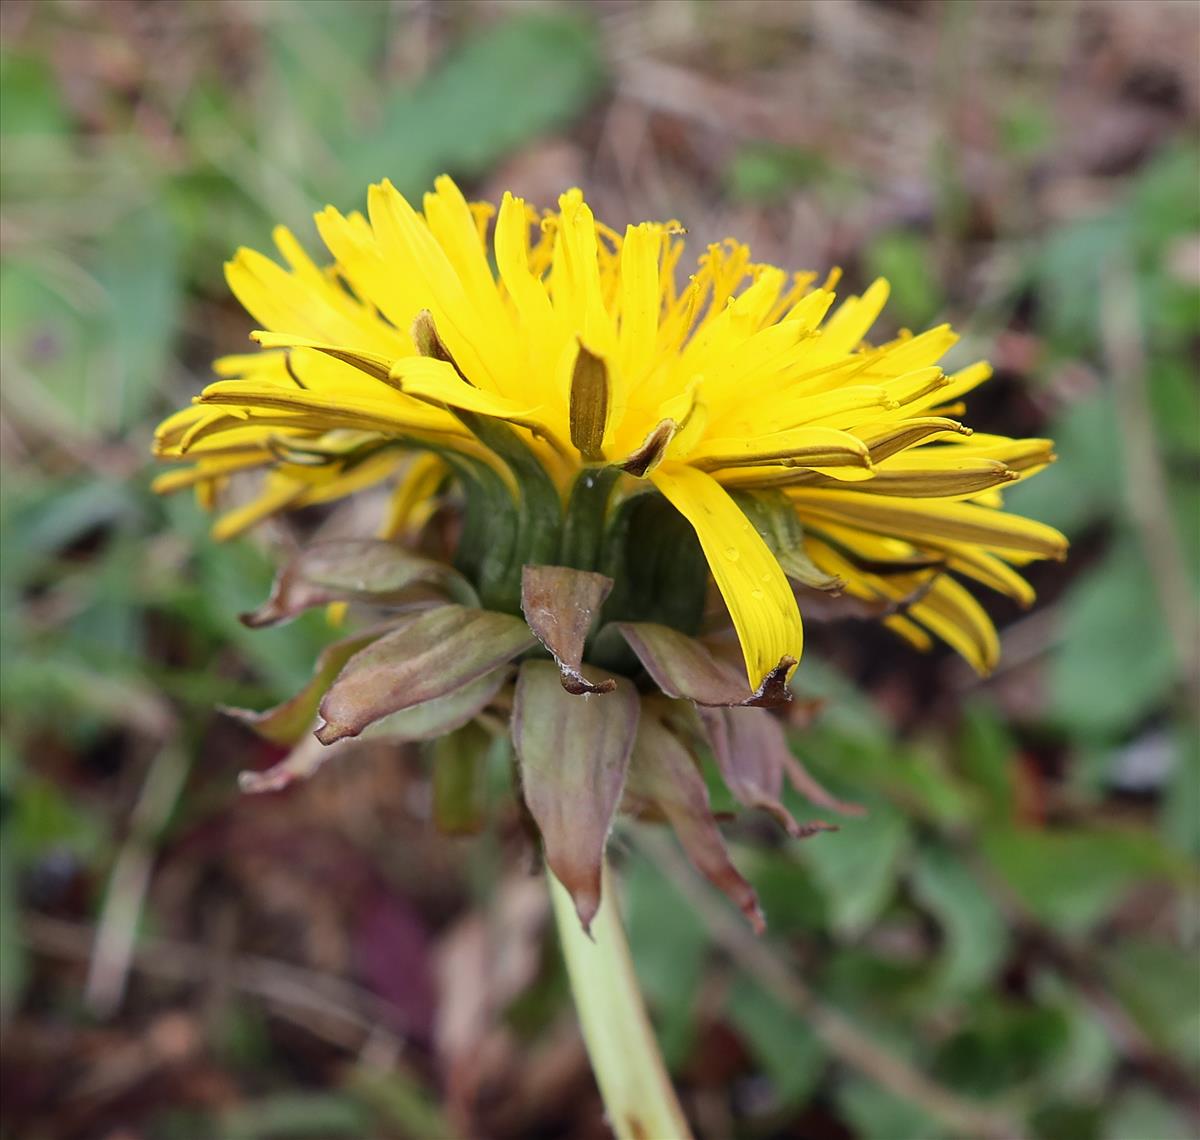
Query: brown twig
(336, 1010)
(849, 1043)
(116, 931)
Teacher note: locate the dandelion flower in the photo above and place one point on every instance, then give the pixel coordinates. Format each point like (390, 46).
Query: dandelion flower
(613, 433)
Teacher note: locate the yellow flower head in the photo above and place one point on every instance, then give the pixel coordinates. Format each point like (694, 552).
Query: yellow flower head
(542, 356)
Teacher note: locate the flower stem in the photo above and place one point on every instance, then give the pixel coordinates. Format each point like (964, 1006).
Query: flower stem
(620, 1041)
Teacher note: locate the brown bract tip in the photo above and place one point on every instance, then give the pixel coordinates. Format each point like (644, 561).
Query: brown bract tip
(577, 684)
(329, 732)
(773, 689)
(813, 827)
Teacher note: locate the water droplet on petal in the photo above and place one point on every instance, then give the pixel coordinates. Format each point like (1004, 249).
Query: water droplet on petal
(732, 553)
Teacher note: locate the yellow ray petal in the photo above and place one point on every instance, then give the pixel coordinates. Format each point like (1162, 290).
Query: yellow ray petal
(910, 352)
(279, 495)
(412, 501)
(755, 590)
(280, 300)
(640, 298)
(392, 411)
(919, 520)
(885, 438)
(951, 613)
(853, 319)
(960, 557)
(370, 363)
(176, 480)
(910, 631)
(963, 480)
(800, 447)
(525, 288)
(438, 381)
(990, 571)
(398, 296)
(405, 240)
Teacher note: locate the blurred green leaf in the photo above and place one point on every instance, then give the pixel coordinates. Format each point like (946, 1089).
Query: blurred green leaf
(669, 944)
(876, 1114)
(1070, 263)
(780, 1040)
(324, 56)
(13, 960)
(40, 518)
(906, 260)
(1056, 1119)
(987, 753)
(1001, 1044)
(1160, 985)
(85, 350)
(1175, 399)
(1071, 879)
(1141, 1115)
(92, 695)
(857, 866)
(498, 89)
(320, 1116)
(30, 98)
(1084, 1064)
(790, 899)
(884, 991)
(232, 578)
(1085, 485)
(1115, 663)
(1163, 202)
(1026, 127)
(847, 758)
(136, 265)
(47, 340)
(108, 624)
(974, 933)
(1181, 806)
(45, 818)
(768, 172)
(1185, 509)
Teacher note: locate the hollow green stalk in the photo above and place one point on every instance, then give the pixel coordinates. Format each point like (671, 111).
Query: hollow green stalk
(620, 1040)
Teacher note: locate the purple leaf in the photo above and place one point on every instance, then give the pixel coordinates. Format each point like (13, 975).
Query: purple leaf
(301, 763)
(681, 666)
(560, 604)
(752, 753)
(434, 718)
(288, 722)
(663, 776)
(434, 654)
(574, 752)
(362, 570)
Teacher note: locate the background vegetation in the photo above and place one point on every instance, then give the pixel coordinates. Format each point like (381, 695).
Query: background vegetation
(1004, 946)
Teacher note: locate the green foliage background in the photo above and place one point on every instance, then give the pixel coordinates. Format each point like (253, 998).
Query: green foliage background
(1015, 916)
